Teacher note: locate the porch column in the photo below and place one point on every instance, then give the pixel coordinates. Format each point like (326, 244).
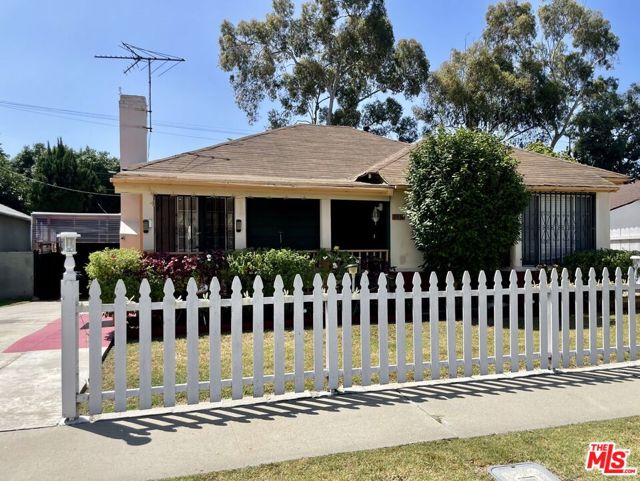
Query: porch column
(148, 211)
(516, 254)
(240, 207)
(603, 221)
(325, 224)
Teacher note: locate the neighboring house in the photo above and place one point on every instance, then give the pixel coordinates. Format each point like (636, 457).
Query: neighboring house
(310, 187)
(16, 258)
(97, 231)
(625, 217)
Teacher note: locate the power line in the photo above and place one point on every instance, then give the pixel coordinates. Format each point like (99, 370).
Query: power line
(98, 116)
(113, 125)
(30, 179)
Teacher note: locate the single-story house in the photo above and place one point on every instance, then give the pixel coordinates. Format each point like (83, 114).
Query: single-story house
(625, 217)
(309, 187)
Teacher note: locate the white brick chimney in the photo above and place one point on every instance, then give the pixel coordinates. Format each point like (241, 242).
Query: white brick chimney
(133, 150)
(133, 130)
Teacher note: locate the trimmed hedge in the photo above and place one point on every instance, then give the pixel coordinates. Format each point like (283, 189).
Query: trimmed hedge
(599, 259)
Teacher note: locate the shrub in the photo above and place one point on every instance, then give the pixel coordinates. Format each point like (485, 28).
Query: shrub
(109, 265)
(599, 259)
(335, 260)
(464, 200)
(179, 268)
(247, 264)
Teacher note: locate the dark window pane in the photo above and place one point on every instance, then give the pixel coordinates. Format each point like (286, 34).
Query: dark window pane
(555, 224)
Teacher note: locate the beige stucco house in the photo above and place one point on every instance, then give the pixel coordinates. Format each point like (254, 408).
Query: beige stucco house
(309, 187)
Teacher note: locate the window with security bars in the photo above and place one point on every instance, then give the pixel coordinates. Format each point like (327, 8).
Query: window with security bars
(555, 224)
(193, 224)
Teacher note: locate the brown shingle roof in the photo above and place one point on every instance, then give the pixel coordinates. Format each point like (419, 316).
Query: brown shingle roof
(626, 195)
(309, 153)
(341, 157)
(540, 172)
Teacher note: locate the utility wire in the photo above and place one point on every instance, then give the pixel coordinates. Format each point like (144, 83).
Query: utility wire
(114, 124)
(30, 179)
(99, 116)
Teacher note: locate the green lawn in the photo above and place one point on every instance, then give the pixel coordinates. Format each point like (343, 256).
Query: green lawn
(181, 357)
(562, 450)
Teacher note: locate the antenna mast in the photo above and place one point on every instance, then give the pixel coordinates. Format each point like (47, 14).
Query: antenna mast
(142, 58)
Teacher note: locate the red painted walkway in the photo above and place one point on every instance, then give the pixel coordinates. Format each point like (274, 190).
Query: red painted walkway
(49, 337)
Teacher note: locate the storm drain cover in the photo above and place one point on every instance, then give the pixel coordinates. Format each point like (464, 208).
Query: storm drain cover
(522, 472)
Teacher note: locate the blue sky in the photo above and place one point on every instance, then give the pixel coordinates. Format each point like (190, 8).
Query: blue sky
(48, 47)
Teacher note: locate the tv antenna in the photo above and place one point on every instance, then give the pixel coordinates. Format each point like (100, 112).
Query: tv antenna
(142, 58)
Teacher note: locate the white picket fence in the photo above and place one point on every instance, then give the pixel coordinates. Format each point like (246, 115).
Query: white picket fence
(552, 302)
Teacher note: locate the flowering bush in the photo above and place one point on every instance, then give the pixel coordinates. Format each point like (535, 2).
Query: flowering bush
(179, 268)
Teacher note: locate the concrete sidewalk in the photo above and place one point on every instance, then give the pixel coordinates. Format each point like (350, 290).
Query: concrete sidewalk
(30, 380)
(184, 443)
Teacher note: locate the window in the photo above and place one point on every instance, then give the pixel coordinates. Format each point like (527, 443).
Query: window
(185, 223)
(556, 224)
(187, 233)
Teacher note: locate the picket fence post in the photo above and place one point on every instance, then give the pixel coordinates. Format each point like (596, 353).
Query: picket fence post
(258, 337)
(95, 348)
(452, 357)
(383, 330)
(401, 354)
(579, 318)
(347, 355)
(633, 340)
(298, 333)
(332, 332)
(606, 318)
(69, 290)
(434, 325)
(416, 304)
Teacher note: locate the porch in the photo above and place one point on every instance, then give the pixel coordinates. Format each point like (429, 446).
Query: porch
(187, 224)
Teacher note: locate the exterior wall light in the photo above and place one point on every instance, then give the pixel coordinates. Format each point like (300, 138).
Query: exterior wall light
(375, 215)
(238, 225)
(145, 226)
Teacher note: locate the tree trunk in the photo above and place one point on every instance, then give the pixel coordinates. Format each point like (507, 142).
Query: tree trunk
(556, 138)
(330, 109)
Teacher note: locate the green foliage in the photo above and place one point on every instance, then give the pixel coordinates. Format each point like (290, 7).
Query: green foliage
(14, 189)
(599, 259)
(61, 165)
(247, 264)
(109, 265)
(323, 63)
(607, 129)
(464, 201)
(335, 260)
(541, 148)
(526, 76)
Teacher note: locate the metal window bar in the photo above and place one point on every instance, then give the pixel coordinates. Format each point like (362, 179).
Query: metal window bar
(555, 224)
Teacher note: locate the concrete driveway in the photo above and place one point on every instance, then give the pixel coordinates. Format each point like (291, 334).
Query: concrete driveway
(29, 379)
